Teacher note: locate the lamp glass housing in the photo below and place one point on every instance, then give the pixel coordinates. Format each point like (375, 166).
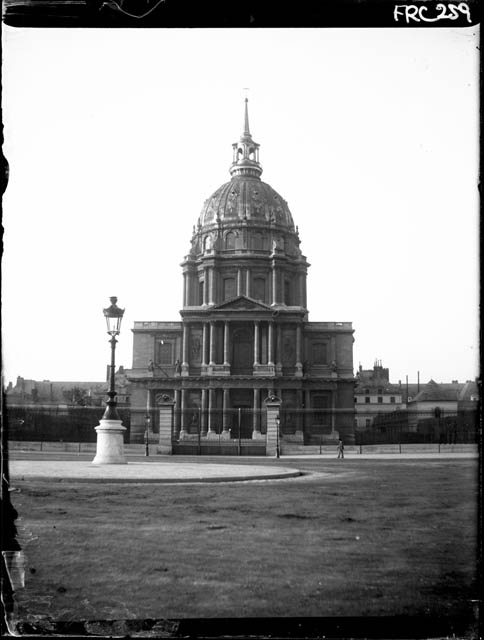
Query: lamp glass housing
(114, 316)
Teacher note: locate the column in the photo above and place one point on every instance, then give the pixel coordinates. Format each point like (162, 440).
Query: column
(307, 406)
(274, 285)
(239, 282)
(204, 413)
(226, 343)
(256, 434)
(256, 342)
(279, 347)
(300, 415)
(183, 431)
(298, 351)
(205, 286)
(204, 344)
(247, 283)
(211, 413)
(301, 289)
(212, 342)
(177, 413)
(226, 417)
(212, 286)
(185, 350)
(270, 344)
(185, 289)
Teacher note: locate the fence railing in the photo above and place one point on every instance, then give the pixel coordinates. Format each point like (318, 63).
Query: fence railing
(57, 423)
(305, 426)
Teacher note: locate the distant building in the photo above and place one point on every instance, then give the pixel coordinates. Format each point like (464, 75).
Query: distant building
(444, 396)
(374, 395)
(47, 393)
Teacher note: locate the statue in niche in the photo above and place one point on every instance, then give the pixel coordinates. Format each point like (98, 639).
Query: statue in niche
(278, 243)
(177, 366)
(196, 349)
(288, 348)
(232, 201)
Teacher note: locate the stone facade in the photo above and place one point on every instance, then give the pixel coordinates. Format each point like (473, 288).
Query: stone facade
(374, 395)
(244, 333)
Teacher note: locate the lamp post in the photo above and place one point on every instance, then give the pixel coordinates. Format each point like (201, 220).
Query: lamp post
(278, 424)
(109, 448)
(147, 434)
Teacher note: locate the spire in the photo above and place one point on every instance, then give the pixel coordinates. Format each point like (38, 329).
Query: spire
(246, 118)
(246, 151)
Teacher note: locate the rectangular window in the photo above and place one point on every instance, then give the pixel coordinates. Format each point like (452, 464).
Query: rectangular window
(287, 292)
(319, 353)
(368, 422)
(380, 400)
(367, 400)
(165, 353)
(392, 399)
(321, 402)
(229, 288)
(259, 289)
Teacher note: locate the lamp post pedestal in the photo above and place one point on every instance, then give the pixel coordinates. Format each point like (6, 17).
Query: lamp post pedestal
(110, 442)
(110, 432)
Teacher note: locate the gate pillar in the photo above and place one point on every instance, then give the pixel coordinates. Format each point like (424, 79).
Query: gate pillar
(166, 405)
(273, 406)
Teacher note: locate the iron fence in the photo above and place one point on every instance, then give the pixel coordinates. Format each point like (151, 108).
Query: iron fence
(57, 423)
(242, 429)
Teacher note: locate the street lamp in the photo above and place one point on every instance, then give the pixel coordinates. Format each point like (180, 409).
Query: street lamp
(278, 424)
(113, 315)
(110, 449)
(147, 434)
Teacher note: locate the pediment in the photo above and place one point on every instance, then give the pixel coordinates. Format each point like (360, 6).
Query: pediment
(242, 303)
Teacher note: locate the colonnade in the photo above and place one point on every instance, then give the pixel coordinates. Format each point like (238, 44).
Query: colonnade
(203, 287)
(213, 421)
(267, 343)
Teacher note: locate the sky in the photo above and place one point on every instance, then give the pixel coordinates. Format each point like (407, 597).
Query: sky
(115, 138)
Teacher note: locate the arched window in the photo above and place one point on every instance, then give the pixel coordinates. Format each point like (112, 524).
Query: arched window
(230, 240)
(287, 292)
(259, 289)
(207, 243)
(319, 352)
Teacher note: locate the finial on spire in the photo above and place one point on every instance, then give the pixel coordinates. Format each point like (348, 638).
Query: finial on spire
(246, 151)
(246, 115)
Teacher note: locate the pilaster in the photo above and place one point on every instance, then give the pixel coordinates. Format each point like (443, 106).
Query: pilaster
(166, 425)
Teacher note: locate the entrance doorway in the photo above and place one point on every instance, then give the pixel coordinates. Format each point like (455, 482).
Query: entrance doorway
(242, 351)
(242, 413)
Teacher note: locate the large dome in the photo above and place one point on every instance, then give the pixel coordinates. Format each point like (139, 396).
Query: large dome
(246, 198)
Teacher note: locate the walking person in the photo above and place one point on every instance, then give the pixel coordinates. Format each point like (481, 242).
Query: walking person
(341, 449)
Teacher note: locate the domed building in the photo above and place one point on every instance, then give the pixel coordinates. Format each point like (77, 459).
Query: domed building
(244, 334)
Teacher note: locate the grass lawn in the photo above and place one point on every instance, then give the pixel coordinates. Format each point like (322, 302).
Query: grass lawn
(371, 538)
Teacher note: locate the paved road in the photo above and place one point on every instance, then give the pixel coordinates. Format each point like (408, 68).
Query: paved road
(173, 469)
